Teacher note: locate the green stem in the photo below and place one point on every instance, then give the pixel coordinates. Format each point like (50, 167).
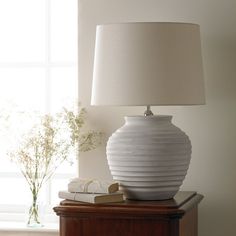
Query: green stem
(34, 210)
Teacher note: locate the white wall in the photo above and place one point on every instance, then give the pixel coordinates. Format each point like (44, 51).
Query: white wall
(211, 128)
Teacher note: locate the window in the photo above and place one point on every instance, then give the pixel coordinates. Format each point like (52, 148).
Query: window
(38, 71)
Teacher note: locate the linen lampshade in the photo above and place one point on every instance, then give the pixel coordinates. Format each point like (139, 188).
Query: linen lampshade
(148, 64)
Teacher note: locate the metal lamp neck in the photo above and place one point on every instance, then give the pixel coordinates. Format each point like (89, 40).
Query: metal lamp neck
(148, 112)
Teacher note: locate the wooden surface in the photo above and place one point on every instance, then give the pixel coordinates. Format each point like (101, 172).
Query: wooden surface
(174, 217)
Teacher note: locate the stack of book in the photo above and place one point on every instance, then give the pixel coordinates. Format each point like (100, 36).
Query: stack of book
(92, 191)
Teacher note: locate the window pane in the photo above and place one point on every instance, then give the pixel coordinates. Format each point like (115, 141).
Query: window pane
(30, 81)
(14, 191)
(23, 88)
(5, 164)
(64, 88)
(64, 30)
(58, 185)
(22, 91)
(22, 25)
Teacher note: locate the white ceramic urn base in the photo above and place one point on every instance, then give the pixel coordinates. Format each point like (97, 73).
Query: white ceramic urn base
(149, 156)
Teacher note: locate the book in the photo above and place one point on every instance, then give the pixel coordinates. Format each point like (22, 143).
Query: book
(92, 186)
(92, 197)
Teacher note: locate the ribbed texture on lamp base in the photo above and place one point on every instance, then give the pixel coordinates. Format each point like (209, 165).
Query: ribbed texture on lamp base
(149, 156)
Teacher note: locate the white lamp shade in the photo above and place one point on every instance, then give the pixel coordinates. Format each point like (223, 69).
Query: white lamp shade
(148, 64)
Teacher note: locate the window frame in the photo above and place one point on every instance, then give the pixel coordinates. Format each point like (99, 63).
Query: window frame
(10, 212)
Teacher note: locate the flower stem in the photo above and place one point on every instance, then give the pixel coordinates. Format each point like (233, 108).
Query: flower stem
(34, 210)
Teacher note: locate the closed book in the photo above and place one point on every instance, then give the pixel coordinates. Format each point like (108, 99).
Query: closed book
(92, 197)
(92, 186)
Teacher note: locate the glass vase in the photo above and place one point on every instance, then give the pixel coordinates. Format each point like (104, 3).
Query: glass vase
(35, 213)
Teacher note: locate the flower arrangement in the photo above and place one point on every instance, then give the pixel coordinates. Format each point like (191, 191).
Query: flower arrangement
(47, 145)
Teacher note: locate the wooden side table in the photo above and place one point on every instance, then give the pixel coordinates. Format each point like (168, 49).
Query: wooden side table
(175, 217)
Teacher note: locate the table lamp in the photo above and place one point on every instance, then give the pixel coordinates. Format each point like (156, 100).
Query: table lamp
(148, 64)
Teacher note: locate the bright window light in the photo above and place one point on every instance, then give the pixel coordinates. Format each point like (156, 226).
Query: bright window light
(38, 73)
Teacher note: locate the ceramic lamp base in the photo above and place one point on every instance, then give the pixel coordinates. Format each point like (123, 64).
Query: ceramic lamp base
(149, 156)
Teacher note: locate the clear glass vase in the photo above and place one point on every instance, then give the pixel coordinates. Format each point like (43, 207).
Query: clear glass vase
(35, 213)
